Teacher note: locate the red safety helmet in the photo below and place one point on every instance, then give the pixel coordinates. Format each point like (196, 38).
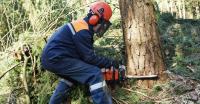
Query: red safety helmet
(101, 10)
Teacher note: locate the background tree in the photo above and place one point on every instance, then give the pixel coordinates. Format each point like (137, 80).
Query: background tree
(182, 9)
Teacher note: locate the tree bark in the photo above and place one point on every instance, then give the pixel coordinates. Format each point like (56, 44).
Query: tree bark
(142, 41)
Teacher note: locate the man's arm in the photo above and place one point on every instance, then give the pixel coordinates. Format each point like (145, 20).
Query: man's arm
(84, 46)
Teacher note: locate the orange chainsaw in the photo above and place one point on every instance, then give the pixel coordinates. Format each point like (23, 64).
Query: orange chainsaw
(114, 74)
(119, 75)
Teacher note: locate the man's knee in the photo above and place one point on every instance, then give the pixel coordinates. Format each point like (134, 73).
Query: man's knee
(96, 76)
(98, 71)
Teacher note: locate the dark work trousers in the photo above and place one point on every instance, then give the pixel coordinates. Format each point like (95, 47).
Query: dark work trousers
(75, 69)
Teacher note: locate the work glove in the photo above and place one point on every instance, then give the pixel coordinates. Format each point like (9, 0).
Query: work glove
(117, 63)
(122, 72)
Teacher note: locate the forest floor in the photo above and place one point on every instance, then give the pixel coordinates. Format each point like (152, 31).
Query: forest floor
(182, 63)
(179, 90)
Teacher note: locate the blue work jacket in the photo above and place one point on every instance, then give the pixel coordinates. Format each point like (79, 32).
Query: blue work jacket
(73, 40)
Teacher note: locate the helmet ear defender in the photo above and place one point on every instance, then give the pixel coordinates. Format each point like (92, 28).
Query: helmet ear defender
(94, 19)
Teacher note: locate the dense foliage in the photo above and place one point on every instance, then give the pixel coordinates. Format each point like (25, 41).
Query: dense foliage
(180, 40)
(24, 30)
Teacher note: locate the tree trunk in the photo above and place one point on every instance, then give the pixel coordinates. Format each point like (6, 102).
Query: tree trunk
(142, 41)
(198, 15)
(32, 13)
(168, 6)
(171, 7)
(197, 10)
(184, 12)
(180, 9)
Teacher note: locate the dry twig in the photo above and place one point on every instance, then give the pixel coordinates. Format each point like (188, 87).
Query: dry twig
(119, 101)
(9, 70)
(130, 90)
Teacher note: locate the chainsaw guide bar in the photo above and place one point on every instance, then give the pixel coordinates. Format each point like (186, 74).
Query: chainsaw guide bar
(141, 77)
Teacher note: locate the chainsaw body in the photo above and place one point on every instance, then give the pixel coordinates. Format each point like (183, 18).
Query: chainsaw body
(114, 74)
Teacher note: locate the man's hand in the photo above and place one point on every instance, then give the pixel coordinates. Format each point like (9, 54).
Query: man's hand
(115, 64)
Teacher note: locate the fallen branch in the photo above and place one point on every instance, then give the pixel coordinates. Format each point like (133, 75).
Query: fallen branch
(122, 101)
(24, 80)
(9, 70)
(166, 99)
(192, 69)
(119, 101)
(33, 68)
(116, 101)
(139, 93)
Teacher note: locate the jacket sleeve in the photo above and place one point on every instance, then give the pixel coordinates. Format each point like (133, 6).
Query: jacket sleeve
(83, 41)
